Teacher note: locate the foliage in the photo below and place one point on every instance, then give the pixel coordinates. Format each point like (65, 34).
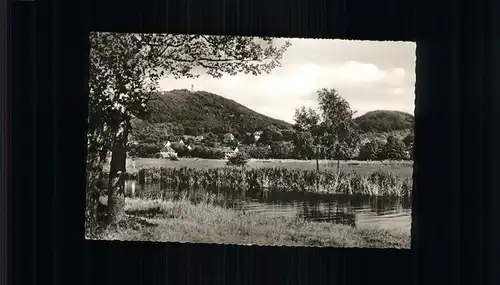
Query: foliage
(233, 144)
(282, 149)
(303, 145)
(369, 151)
(210, 140)
(270, 133)
(133, 152)
(385, 121)
(258, 152)
(178, 111)
(196, 113)
(288, 134)
(394, 149)
(125, 70)
(148, 149)
(379, 183)
(307, 119)
(181, 149)
(329, 132)
(238, 159)
(307, 132)
(382, 137)
(340, 134)
(408, 140)
(207, 152)
(248, 139)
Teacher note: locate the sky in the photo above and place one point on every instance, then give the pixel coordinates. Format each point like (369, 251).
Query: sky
(370, 75)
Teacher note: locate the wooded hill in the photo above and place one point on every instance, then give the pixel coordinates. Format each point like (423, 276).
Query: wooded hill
(380, 124)
(182, 112)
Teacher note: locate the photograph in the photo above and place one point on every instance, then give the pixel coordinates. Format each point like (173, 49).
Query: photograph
(220, 139)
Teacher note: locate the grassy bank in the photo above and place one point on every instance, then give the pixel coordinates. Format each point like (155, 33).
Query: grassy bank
(182, 221)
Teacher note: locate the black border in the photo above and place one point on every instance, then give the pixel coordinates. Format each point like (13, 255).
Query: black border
(5, 230)
(455, 143)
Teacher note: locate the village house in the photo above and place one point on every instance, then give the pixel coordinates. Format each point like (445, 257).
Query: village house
(167, 151)
(256, 136)
(365, 141)
(228, 137)
(228, 152)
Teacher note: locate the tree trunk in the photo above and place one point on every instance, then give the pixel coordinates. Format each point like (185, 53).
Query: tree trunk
(116, 182)
(94, 178)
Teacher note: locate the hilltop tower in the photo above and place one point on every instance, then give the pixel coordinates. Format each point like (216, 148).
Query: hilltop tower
(192, 88)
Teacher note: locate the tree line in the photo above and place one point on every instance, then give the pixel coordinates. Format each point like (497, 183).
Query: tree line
(328, 132)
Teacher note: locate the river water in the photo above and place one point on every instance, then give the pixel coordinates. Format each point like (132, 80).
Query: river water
(380, 212)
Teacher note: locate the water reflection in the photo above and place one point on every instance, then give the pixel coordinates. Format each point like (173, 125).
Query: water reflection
(348, 210)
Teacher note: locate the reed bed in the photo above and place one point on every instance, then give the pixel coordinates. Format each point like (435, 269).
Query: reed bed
(130, 174)
(378, 183)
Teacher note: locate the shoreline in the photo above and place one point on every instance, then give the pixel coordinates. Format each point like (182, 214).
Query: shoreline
(182, 221)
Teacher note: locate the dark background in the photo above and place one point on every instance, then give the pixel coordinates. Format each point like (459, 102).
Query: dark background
(456, 144)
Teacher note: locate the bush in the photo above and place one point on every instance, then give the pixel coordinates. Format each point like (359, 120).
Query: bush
(147, 150)
(282, 150)
(174, 157)
(181, 149)
(149, 141)
(369, 151)
(258, 152)
(394, 149)
(207, 152)
(408, 140)
(238, 159)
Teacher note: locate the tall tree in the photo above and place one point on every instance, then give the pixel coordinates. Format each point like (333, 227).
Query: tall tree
(394, 149)
(269, 134)
(125, 70)
(304, 145)
(339, 129)
(308, 133)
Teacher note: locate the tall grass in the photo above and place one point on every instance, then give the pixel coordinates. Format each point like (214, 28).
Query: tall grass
(378, 183)
(183, 221)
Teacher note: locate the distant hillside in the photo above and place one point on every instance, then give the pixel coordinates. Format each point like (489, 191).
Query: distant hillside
(195, 113)
(383, 121)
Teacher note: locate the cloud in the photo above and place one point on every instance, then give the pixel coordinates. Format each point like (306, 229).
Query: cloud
(364, 84)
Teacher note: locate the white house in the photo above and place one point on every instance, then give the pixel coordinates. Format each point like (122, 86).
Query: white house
(228, 152)
(167, 151)
(257, 135)
(228, 137)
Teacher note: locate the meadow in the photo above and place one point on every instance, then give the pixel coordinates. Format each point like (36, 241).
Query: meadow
(401, 168)
(206, 222)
